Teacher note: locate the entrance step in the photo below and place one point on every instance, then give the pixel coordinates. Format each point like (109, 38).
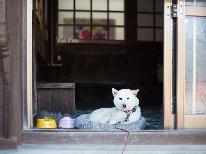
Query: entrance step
(106, 149)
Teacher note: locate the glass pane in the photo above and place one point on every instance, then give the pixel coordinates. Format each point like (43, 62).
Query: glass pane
(145, 34)
(159, 7)
(189, 2)
(201, 2)
(145, 20)
(65, 17)
(82, 4)
(99, 32)
(65, 32)
(116, 18)
(145, 5)
(116, 5)
(82, 18)
(116, 33)
(99, 18)
(159, 34)
(196, 2)
(82, 32)
(159, 20)
(195, 65)
(66, 4)
(99, 4)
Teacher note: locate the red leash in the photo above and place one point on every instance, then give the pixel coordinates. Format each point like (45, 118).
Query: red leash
(126, 139)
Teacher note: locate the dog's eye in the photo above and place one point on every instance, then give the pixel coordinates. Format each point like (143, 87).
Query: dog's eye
(127, 98)
(120, 98)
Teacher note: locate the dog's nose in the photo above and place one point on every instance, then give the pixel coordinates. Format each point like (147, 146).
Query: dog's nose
(123, 105)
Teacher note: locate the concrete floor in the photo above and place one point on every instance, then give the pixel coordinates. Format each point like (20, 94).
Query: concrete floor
(106, 149)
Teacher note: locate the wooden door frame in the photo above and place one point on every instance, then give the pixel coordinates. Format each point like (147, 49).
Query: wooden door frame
(29, 63)
(22, 97)
(167, 87)
(180, 65)
(168, 116)
(183, 120)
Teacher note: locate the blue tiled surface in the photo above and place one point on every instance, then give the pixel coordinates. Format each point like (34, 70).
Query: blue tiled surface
(154, 118)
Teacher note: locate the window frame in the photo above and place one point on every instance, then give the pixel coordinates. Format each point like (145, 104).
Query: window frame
(89, 41)
(154, 27)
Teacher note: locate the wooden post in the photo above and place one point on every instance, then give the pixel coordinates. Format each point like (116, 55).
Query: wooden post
(4, 70)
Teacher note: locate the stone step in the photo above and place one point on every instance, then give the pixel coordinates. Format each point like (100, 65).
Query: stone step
(106, 149)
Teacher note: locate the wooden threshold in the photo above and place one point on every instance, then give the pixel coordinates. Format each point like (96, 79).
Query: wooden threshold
(151, 137)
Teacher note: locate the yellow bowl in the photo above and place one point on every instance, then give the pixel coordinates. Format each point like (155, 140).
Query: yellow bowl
(46, 122)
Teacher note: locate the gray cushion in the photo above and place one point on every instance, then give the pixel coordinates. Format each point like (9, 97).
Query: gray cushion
(83, 122)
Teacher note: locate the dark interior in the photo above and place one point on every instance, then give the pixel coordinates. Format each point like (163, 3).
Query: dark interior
(96, 66)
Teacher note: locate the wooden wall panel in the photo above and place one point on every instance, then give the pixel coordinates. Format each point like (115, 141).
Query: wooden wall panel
(106, 63)
(96, 68)
(56, 97)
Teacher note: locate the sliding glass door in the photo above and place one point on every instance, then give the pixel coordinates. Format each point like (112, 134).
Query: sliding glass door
(191, 64)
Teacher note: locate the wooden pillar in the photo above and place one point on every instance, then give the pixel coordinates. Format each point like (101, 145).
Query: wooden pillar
(131, 24)
(13, 67)
(2, 104)
(4, 71)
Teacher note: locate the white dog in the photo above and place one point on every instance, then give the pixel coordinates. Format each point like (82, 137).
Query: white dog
(126, 108)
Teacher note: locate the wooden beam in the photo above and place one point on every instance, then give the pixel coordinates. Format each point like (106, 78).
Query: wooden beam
(153, 137)
(56, 85)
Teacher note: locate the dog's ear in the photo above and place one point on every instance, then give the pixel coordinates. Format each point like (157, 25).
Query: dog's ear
(135, 92)
(114, 92)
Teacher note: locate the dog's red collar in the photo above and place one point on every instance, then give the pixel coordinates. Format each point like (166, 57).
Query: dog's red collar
(128, 112)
